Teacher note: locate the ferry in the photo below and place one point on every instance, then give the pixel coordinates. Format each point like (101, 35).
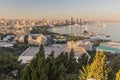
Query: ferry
(107, 35)
(99, 25)
(51, 25)
(76, 24)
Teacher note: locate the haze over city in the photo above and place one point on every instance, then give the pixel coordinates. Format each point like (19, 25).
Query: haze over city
(59, 40)
(86, 9)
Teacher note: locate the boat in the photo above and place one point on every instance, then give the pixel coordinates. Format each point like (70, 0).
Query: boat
(107, 35)
(76, 24)
(104, 25)
(51, 25)
(99, 25)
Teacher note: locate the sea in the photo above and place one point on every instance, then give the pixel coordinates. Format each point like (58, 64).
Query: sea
(109, 28)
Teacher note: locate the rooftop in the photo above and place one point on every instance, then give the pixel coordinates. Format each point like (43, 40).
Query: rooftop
(29, 53)
(109, 49)
(32, 51)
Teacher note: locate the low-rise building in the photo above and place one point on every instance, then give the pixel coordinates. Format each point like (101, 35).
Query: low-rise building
(6, 44)
(8, 37)
(113, 47)
(29, 53)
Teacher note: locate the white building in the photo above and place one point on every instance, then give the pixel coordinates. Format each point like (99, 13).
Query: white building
(6, 44)
(8, 37)
(29, 53)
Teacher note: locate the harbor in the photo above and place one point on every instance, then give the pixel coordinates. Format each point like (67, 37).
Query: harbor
(109, 32)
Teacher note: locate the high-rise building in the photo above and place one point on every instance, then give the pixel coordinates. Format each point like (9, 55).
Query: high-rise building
(81, 22)
(71, 20)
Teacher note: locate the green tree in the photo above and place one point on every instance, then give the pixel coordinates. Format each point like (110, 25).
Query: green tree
(97, 69)
(115, 64)
(41, 64)
(82, 61)
(72, 57)
(8, 63)
(26, 39)
(44, 68)
(72, 62)
(36, 67)
(26, 73)
(33, 65)
(34, 75)
(56, 69)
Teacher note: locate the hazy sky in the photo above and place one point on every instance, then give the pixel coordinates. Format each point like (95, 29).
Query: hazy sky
(88, 9)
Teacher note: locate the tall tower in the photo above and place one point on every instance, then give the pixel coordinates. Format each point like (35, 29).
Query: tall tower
(81, 22)
(71, 20)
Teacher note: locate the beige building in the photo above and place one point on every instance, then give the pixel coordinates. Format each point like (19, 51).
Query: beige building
(21, 38)
(79, 44)
(75, 46)
(36, 39)
(88, 45)
(79, 47)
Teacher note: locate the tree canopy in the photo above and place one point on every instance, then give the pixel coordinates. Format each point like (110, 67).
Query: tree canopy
(97, 69)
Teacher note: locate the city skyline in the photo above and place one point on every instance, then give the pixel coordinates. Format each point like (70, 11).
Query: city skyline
(86, 9)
